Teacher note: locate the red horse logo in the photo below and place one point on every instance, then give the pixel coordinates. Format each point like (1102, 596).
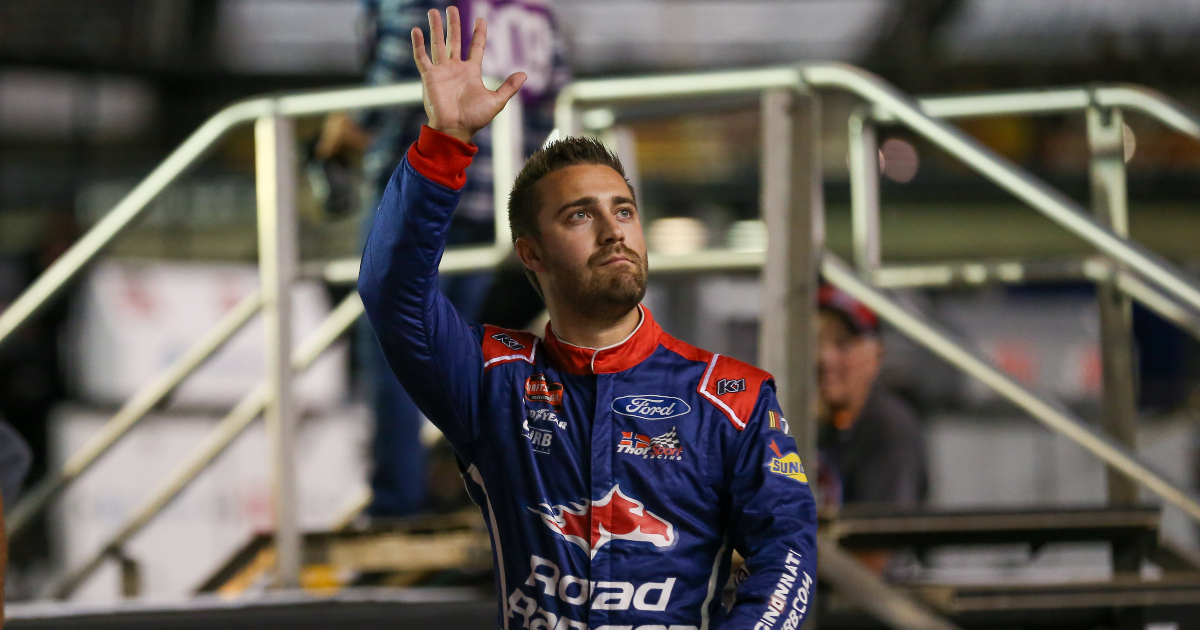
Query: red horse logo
(592, 524)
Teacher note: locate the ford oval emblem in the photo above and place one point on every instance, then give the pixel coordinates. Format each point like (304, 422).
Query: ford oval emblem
(648, 407)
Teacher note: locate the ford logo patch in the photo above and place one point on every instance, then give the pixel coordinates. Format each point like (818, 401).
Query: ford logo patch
(650, 407)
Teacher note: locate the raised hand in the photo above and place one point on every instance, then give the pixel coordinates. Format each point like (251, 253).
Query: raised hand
(456, 100)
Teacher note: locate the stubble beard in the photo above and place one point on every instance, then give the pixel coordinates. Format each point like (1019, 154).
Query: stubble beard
(602, 294)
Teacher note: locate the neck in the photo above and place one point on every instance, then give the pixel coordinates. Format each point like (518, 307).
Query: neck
(581, 330)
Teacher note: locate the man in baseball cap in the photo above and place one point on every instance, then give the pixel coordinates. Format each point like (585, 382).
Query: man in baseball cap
(870, 438)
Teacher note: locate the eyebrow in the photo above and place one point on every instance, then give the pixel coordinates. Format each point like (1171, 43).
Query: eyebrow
(592, 201)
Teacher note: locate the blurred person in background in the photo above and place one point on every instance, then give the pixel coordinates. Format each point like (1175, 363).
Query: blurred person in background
(871, 446)
(524, 38)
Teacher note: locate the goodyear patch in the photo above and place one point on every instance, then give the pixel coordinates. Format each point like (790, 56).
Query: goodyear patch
(787, 465)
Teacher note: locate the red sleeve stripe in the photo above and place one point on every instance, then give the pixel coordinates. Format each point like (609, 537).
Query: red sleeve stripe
(441, 158)
(514, 357)
(703, 389)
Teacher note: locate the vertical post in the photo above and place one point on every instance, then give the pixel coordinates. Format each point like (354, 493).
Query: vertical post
(508, 155)
(1106, 139)
(864, 192)
(794, 210)
(275, 170)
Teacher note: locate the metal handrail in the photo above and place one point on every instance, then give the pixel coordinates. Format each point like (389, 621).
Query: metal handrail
(134, 410)
(1033, 191)
(884, 97)
(1093, 268)
(195, 147)
(202, 456)
(1138, 98)
(802, 77)
(1041, 406)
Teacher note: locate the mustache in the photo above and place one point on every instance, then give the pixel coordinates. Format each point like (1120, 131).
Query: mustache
(618, 249)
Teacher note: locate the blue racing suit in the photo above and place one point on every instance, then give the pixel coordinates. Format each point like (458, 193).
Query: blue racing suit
(615, 483)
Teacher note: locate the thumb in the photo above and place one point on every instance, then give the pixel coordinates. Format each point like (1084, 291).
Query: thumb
(511, 85)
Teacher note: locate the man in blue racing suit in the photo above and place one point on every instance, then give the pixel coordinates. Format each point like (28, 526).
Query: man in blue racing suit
(617, 468)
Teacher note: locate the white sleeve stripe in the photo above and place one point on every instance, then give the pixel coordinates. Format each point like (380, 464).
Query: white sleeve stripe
(716, 401)
(497, 549)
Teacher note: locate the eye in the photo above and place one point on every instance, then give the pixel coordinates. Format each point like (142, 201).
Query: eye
(625, 213)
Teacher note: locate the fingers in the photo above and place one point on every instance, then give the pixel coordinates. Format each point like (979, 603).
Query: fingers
(419, 55)
(437, 37)
(478, 40)
(511, 85)
(455, 43)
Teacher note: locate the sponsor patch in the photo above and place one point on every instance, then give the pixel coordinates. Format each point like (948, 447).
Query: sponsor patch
(539, 439)
(593, 524)
(730, 386)
(538, 389)
(778, 422)
(650, 407)
(547, 582)
(787, 465)
(665, 446)
(509, 342)
(791, 579)
(537, 416)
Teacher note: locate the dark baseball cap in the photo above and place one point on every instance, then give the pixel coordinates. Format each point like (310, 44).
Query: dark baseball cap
(861, 319)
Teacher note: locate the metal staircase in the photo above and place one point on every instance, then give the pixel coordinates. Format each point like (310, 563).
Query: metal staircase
(793, 208)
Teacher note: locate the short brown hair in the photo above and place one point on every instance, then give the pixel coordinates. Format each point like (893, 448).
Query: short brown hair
(523, 203)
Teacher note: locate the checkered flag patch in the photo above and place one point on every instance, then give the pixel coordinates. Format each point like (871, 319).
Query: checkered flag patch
(666, 440)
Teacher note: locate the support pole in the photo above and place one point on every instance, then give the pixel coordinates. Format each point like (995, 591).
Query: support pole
(864, 191)
(793, 208)
(1106, 139)
(275, 155)
(508, 156)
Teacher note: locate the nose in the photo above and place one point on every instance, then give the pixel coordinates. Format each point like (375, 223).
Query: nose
(609, 230)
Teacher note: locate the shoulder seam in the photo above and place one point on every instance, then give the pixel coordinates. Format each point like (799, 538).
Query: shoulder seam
(703, 389)
(493, 332)
(514, 357)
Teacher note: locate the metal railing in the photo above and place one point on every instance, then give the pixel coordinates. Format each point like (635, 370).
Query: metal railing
(275, 176)
(792, 205)
(1094, 100)
(1170, 284)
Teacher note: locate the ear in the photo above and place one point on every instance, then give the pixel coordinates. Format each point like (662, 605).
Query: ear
(530, 253)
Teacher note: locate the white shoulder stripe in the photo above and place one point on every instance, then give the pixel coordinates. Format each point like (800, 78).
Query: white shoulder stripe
(716, 401)
(510, 357)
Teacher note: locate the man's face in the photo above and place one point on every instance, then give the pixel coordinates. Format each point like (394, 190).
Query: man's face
(847, 363)
(591, 255)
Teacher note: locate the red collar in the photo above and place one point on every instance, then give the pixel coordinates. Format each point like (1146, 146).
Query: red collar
(615, 358)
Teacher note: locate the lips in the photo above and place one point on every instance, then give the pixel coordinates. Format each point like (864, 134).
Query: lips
(622, 254)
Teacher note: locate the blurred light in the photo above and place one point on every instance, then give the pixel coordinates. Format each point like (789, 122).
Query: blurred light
(37, 104)
(898, 160)
(677, 235)
(601, 118)
(1130, 142)
(285, 36)
(747, 236)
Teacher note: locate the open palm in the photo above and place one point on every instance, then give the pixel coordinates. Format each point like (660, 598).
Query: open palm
(456, 100)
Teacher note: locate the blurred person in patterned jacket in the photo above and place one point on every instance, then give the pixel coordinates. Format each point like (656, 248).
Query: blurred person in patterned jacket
(524, 39)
